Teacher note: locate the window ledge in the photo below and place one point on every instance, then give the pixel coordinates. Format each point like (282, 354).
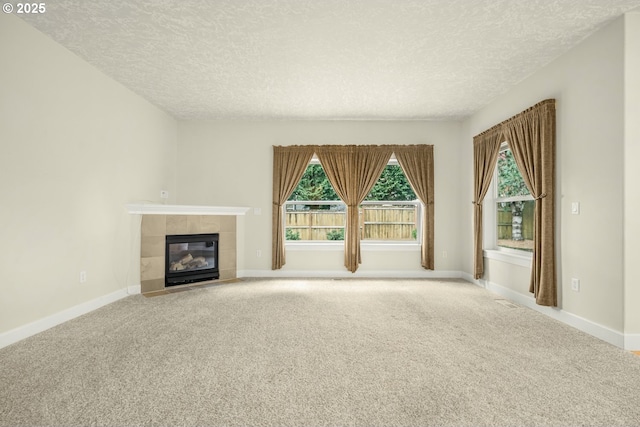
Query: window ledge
(315, 246)
(339, 246)
(523, 259)
(390, 246)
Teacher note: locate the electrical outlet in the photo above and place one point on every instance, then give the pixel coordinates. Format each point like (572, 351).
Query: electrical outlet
(258, 253)
(83, 276)
(575, 284)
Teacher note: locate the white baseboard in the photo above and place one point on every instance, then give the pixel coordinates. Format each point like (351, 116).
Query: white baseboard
(625, 341)
(599, 331)
(25, 331)
(469, 278)
(632, 342)
(628, 341)
(381, 274)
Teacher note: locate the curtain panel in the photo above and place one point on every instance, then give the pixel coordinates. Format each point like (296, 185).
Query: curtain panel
(353, 170)
(486, 147)
(416, 162)
(289, 164)
(531, 137)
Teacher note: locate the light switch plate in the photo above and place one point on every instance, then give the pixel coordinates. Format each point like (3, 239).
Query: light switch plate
(575, 208)
(575, 284)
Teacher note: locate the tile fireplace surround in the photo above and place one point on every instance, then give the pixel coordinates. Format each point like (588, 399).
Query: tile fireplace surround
(158, 222)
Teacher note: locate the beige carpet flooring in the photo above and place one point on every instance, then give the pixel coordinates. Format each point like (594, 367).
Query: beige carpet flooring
(318, 353)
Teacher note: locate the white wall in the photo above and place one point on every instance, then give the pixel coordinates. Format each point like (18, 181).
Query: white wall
(230, 163)
(588, 85)
(632, 175)
(76, 147)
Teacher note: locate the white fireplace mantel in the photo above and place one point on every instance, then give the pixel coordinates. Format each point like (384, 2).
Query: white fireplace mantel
(159, 209)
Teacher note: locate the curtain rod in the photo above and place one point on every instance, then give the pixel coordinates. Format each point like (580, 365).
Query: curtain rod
(499, 126)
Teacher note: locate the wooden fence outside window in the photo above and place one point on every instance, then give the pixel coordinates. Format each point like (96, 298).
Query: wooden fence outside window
(386, 221)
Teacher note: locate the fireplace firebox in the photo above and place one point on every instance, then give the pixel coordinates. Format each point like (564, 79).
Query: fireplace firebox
(191, 258)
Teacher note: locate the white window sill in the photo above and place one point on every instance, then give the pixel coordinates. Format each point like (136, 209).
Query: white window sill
(521, 258)
(338, 245)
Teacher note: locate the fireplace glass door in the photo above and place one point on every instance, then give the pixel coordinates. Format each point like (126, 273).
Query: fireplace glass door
(191, 258)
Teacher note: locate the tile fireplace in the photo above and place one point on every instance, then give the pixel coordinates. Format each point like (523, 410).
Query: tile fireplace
(155, 228)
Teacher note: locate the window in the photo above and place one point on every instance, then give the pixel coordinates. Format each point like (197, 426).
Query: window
(514, 205)
(390, 213)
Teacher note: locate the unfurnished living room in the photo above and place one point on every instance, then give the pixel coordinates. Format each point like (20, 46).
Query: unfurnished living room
(320, 212)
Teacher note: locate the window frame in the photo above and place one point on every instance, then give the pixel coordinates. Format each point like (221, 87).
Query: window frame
(364, 244)
(491, 249)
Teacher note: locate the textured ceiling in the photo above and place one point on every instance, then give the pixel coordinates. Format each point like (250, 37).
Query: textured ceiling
(322, 59)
